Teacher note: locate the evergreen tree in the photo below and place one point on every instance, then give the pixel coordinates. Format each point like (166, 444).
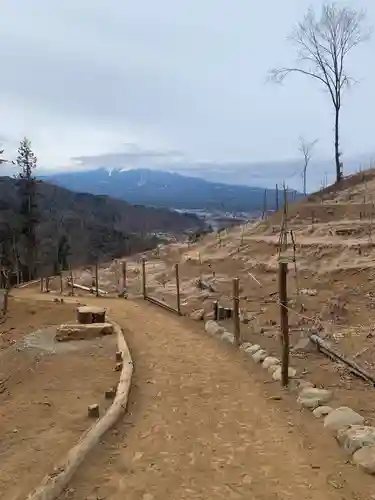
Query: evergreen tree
(28, 213)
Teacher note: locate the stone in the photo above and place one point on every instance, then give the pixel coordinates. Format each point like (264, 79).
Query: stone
(197, 315)
(322, 411)
(270, 361)
(364, 458)
(93, 411)
(303, 384)
(271, 369)
(245, 346)
(118, 367)
(259, 356)
(213, 328)
(354, 437)
(342, 417)
(312, 397)
(253, 349)
(89, 331)
(276, 375)
(227, 337)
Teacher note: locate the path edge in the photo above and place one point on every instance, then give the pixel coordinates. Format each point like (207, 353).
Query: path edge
(55, 483)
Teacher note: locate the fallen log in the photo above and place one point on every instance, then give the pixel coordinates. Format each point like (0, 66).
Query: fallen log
(336, 356)
(86, 288)
(54, 484)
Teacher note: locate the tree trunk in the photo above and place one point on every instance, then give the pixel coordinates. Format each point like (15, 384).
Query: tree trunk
(304, 180)
(337, 150)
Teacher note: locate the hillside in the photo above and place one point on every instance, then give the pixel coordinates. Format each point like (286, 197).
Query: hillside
(95, 225)
(165, 189)
(331, 286)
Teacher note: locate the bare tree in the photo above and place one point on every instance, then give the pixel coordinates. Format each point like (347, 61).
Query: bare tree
(306, 148)
(323, 44)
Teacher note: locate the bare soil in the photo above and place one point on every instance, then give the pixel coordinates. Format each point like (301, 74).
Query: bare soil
(44, 394)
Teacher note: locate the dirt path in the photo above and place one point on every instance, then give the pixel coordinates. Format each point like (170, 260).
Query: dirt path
(203, 424)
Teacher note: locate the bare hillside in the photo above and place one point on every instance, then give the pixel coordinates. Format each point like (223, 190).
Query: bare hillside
(331, 287)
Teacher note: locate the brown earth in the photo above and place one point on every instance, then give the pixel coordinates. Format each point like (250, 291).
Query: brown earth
(44, 395)
(203, 423)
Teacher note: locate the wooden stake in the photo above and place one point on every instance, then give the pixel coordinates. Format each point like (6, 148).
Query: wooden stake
(123, 272)
(264, 204)
(144, 278)
(277, 198)
(47, 284)
(178, 289)
(284, 327)
(61, 281)
(236, 311)
(41, 284)
(97, 278)
(71, 281)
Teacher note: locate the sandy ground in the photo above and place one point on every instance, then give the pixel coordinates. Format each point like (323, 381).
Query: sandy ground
(45, 389)
(203, 423)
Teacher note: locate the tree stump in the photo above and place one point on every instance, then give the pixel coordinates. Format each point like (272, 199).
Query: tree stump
(90, 314)
(93, 411)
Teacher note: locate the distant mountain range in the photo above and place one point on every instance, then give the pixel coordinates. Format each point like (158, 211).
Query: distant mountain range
(164, 189)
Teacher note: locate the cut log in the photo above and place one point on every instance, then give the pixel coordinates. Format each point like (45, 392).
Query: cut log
(86, 288)
(93, 411)
(90, 314)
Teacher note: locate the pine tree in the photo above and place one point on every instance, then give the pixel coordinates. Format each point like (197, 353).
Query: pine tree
(28, 213)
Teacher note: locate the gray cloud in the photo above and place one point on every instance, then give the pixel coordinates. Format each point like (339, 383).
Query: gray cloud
(84, 78)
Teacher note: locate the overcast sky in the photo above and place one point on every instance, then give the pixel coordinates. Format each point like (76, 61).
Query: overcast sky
(87, 77)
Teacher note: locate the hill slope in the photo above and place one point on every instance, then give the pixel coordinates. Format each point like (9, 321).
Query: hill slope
(95, 225)
(165, 189)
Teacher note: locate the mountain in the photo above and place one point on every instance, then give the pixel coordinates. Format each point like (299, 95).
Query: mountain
(165, 189)
(96, 226)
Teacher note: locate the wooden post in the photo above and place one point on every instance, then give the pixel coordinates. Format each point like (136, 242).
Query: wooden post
(47, 284)
(123, 269)
(61, 281)
(71, 281)
(236, 311)
(144, 278)
(41, 284)
(264, 204)
(178, 289)
(216, 310)
(277, 198)
(284, 327)
(97, 278)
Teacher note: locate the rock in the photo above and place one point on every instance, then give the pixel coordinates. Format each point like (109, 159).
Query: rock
(82, 332)
(259, 356)
(364, 458)
(342, 417)
(322, 411)
(270, 361)
(312, 397)
(303, 384)
(253, 349)
(118, 367)
(90, 314)
(308, 291)
(197, 315)
(246, 345)
(227, 337)
(276, 375)
(271, 369)
(213, 328)
(354, 437)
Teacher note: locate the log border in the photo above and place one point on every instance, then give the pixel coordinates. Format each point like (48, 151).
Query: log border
(55, 483)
